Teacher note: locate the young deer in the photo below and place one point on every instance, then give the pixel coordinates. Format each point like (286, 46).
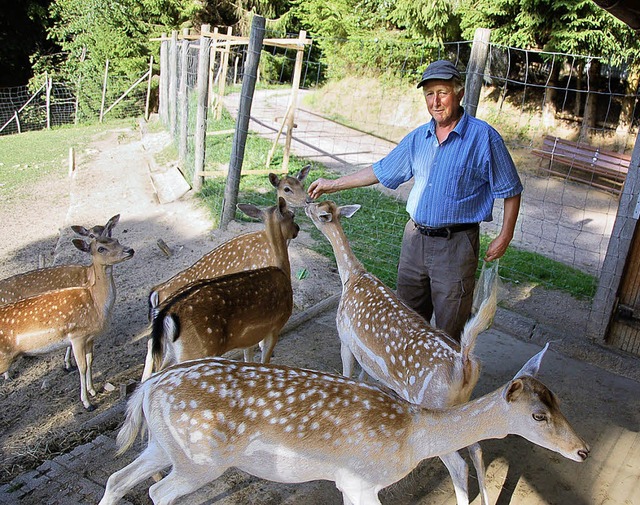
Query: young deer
(70, 315)
(294, 425)
(35, 282)
(41, 280)
(248, 251)
(219, 313)
(292, 188)
(397, 347)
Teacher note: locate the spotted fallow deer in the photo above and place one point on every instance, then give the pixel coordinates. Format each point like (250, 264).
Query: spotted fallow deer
(249, 251)
(396, 346)
(41, 280)
(294, 425)
(291, 188)
(70, 315)
(212, 316)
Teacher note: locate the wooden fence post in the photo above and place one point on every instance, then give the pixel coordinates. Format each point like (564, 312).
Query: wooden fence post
(224, 64)
(200, 139)
(183, 101)
(475, 70)
(49, 85)
(163, 106)
(104, 88)
(146, 105)
(242, 123)
(295, 87)
(173, 83)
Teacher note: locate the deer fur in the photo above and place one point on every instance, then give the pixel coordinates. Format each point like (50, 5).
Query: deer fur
(294, 425)
(291, 188)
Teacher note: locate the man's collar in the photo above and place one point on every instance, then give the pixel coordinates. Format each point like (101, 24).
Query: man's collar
(460, 128)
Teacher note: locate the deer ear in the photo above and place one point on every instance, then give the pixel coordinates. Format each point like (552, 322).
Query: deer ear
(532, 366)
(282, 205)
(250, 210)
(274, 179)
(81, 244)
(304, 172)
(348, 210)
(80, 230)
(512, 390)
(110, 225)
(324, 216)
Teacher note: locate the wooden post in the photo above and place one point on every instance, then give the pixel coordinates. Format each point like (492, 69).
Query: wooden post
(163, 105)
(224, 65)
(235, 70)
(146, 105)
(475, 70)
(104, 88)
(17, 122)
(200, 136)
(212, 69)
(618, 249)
(242, 123)
(183, 102)
(295, 87)
(48, 86)
(72, 161)
(173, 82)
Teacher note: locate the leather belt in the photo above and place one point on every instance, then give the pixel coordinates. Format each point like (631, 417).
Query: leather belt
(445, 231)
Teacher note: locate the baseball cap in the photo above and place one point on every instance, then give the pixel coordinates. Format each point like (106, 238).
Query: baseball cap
(440, 69)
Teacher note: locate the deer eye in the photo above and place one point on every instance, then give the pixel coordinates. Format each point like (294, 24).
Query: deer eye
(288, 190)
(102, 249)
(539, 417)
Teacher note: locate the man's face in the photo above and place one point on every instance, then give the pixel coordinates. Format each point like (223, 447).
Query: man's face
(442, 102)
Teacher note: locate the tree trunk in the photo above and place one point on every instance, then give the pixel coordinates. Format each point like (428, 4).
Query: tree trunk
(628, 104)
(590, 106)
(549, 106)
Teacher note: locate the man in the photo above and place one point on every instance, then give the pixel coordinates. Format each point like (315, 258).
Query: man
(460, 165)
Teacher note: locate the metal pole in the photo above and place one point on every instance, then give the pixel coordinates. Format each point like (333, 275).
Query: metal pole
(249, 79)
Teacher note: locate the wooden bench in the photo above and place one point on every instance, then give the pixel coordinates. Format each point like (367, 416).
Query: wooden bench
(599, 168)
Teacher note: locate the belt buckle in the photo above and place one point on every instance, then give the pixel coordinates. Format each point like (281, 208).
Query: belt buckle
(448, 235)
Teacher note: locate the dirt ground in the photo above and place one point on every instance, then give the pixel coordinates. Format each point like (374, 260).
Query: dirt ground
(41, 413)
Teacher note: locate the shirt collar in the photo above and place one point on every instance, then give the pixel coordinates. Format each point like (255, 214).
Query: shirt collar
(459, 129)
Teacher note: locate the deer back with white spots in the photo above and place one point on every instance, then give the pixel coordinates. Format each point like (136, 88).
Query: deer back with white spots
(294, 425)
(71, 315)
(212, 316)
(249, 251)
(396, 346)
(291, 187)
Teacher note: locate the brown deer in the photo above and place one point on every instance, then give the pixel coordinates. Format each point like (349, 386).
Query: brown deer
(396, 346)
(71, 315)
(35, 282)
(294, 425)
(248, 251)
(291, 188)
(219, 313)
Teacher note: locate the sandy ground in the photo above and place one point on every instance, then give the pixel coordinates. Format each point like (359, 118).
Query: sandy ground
(42, 415)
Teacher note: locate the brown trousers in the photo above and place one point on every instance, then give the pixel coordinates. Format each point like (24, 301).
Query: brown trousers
(436, 276)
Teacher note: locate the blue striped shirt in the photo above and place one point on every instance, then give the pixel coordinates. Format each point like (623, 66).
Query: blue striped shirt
(456, 182)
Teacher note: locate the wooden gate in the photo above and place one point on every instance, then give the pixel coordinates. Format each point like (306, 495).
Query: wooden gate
(624, 331)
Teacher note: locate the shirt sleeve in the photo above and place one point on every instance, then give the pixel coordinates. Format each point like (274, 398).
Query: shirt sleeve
(397, 166)
(503, 175)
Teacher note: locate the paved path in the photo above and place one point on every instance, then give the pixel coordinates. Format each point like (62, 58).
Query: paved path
(603, 407)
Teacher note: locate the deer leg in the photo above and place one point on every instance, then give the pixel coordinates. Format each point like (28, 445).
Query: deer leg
(152, 460)
(68, 366)
(459, 472)
(182, 481)
(89, 355)
(249, 353)
(475, 451)
(268, 344)
(356, 491)
(347, 360)
(81, 360)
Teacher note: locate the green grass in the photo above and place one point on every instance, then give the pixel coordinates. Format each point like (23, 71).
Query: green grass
(375, 231)
(28, 157)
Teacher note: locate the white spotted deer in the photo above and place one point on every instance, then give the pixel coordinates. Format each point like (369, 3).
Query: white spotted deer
(291, 188)
(396, 346)
(295, 425)
(67, 316)
(239, 310)
(248, 251)
(41, 280)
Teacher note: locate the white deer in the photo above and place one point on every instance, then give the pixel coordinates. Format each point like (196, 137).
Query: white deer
(219, 313)
(396, 346)
(294, 425)
(68, 316)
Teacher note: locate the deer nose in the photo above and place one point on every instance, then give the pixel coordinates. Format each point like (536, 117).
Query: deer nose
(128, 251)
(584, 453)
